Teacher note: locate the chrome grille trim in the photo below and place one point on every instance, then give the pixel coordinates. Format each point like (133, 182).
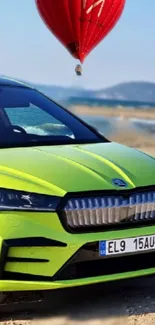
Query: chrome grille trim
(100, 210)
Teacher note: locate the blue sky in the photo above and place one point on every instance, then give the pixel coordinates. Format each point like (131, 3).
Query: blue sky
(29, 51)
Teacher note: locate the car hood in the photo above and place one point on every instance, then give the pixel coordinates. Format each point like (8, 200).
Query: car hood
(72, 168)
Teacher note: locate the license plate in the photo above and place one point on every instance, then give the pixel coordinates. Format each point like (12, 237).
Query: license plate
(127, 245)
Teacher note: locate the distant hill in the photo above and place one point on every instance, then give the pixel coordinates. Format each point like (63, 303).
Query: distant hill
(139, 91)
(129, 91)
(135, 91)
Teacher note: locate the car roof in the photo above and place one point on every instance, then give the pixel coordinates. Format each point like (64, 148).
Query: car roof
(12, 82)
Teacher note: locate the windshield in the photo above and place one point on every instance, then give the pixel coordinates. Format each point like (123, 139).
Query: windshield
(28, 118)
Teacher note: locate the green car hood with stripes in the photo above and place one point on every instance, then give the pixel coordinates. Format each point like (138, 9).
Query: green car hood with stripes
(72, 168)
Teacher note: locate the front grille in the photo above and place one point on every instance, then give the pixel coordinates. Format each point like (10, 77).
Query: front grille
(101, 210)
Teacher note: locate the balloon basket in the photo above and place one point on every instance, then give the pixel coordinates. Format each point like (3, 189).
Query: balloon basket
(78, 70)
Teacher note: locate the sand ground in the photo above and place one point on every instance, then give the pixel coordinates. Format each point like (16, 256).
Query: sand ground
(131, 302)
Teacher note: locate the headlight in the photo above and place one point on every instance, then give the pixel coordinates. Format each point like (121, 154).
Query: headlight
(25, 201)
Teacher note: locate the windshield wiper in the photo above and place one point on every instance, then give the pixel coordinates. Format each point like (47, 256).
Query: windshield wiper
(48, 142)
(34, 142)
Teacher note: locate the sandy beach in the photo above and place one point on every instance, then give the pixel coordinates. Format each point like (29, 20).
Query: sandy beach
(124, 133)
(140, 140)
(122, 112)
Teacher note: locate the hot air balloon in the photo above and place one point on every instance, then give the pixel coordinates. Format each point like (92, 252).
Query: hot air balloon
(80, 25)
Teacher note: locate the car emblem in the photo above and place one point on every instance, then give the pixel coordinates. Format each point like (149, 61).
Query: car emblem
(119, 182)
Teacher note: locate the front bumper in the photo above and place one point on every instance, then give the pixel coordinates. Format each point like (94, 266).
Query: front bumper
(38, 254)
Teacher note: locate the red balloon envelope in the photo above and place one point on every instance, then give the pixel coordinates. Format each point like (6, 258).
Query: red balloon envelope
(80, 25)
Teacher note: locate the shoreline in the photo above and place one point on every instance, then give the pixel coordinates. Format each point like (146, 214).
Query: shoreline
(124, 132)
(117, 112)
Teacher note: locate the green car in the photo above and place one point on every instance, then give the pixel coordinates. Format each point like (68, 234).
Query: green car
(75, 208)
